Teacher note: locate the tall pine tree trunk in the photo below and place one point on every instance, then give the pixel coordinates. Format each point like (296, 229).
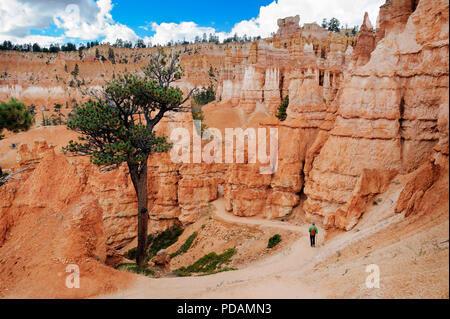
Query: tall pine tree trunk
(139, 178)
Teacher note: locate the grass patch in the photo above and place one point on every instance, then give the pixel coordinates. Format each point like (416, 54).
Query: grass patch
(163, 240)
(155, 243)
(134, 268)
(208, 264)
(273, 241)
(184, 248)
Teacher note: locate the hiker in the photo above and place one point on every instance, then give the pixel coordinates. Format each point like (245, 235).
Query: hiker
(312, 234)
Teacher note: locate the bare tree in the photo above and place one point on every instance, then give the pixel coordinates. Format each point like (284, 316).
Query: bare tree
(4, 177)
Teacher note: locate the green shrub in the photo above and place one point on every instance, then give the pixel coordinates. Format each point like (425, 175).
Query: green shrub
(184, 248)
(281, 115)
(131, 254)
(208, 264)
(204, 96)
(274, 240)
(197, 115)
(155, 243)
(163, 240)
(75, 71)
(134, 268)
(15, 116)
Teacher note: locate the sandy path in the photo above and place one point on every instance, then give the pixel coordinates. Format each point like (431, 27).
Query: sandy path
(278, 276)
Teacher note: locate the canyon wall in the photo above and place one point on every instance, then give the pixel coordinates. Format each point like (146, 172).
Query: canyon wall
(362, 110)
(388, 113)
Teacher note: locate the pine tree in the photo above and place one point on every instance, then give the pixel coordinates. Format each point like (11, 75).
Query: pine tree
(15, 117)
(118, 126)
(281, 115)
(334, 25)
(111, 56)
(75, 71)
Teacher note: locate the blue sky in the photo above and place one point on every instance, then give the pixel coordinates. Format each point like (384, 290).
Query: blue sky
(158, 22)
(222, 15)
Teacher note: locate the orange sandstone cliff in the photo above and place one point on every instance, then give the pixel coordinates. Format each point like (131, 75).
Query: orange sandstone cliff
(363, 112)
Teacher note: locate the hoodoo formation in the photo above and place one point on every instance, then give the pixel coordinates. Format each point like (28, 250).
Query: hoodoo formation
(365, 143)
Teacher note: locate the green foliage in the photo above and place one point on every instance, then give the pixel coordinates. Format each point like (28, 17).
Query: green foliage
(155, 243)
(111, 56)
(46, 121)
(131, 254)
(204, 96)
(197, 115)
(76, 70)
(134, 268)
(117, 126)
(274, 240)
(15, 116)
(208, 264)
(54, 119)
(116, 133)
(164, 68)
(332, 25)
(281, 115)
(185, 247)
(208, 94)
(163, 240)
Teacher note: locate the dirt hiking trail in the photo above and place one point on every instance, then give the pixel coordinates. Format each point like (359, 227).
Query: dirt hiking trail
(277, 276)
(274, 277)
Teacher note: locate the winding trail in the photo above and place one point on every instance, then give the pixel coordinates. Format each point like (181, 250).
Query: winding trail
(277, 276)
(220, 213)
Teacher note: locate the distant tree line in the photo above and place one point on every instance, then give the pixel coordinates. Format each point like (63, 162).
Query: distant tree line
(212, 39)
(140, 44)
(336, 26)
(332, 25)
(53, 48)
(238, 39)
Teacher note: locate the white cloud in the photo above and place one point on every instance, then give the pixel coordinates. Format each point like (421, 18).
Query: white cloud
(166, 32)
(76, 26)
(16, 18)
(78, 19)
(349, 12)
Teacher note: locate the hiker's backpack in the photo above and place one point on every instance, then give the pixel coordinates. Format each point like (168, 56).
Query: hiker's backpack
(313, 231)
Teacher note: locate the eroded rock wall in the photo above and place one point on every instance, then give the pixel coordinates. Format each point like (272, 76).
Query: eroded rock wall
(388, 113)
(361, 111)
